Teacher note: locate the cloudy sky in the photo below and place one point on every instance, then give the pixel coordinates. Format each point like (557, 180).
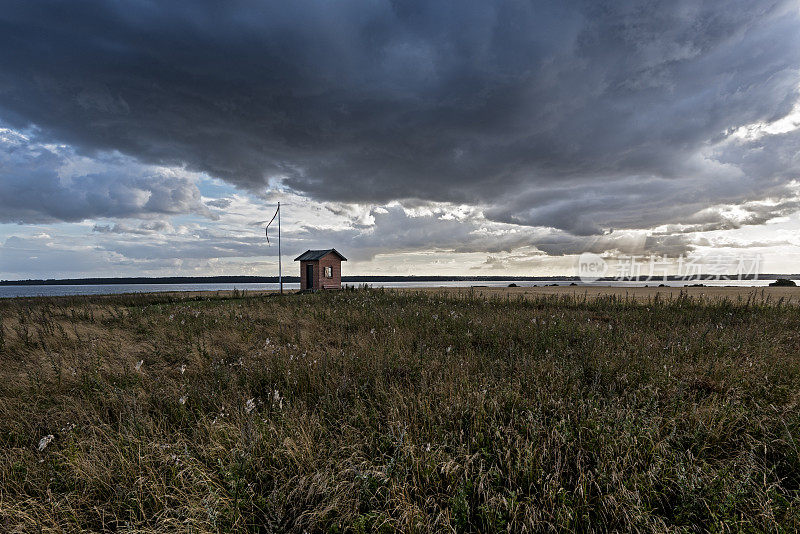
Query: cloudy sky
(415, 136)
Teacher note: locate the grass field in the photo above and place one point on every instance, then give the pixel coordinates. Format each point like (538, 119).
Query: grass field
(369, 410)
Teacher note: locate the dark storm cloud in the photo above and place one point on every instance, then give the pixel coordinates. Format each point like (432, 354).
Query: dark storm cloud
(219, 203)
(576, 115)
(40, 184)
(393, 230)
(144, 228)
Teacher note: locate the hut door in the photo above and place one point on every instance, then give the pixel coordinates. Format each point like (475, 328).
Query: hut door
(309, 276)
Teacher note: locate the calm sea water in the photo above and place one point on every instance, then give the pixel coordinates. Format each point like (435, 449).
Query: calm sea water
(53, 291)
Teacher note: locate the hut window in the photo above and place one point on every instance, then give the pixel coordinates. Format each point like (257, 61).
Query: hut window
(328, 272)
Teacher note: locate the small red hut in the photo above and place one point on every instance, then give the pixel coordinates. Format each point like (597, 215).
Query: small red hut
(321, 269)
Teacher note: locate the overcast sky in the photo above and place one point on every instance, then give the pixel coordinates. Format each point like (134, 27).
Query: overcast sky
(415, 136)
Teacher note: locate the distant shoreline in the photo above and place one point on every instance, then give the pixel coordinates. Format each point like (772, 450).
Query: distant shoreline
(346, 279)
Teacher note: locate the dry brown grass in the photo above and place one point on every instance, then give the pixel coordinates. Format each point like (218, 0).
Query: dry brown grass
(399, 411)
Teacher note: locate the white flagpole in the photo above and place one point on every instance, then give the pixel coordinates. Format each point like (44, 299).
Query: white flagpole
(266, 231)
(280, 274)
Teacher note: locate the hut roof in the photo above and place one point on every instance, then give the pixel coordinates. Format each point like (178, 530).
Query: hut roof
(314, 255)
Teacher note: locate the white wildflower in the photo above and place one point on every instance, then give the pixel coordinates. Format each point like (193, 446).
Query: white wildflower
(138, 365)
(45, 441)
(276, 398)
(183, 368)
(182, 400)
(250, 405)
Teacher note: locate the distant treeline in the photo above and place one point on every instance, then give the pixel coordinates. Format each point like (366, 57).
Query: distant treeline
(267, 280)
(345, 279)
